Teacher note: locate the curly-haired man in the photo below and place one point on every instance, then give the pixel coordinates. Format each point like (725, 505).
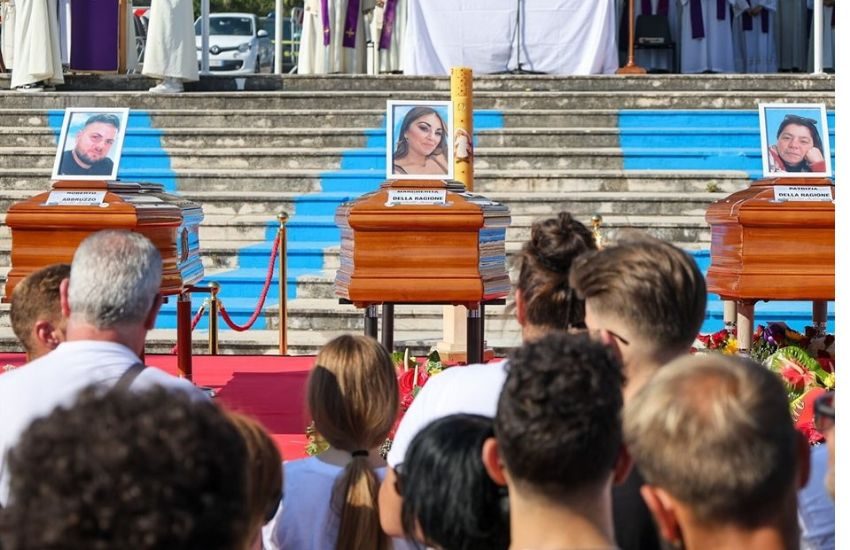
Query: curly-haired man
(558, 444)
(115, 470)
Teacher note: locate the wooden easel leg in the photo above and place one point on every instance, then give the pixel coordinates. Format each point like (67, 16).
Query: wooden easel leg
(819, 313)
(184, 335)
(387, 326)
(746, 314)
(474, 341)
(370, 321)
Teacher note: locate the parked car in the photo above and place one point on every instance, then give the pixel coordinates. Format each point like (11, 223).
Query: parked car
(291, 37)
(237, 44)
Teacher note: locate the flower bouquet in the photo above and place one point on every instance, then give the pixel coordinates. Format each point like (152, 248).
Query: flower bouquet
(805, 362)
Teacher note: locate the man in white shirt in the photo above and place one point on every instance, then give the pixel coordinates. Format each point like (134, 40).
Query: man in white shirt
(111, 301)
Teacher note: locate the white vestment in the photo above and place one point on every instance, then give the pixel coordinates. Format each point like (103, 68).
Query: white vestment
(316, 58)
(391, 58)
(828, 39)
(7, 33)
(65, 31)
(791, 35)
(755, 50)
(659, 59)
(714, 51)
(170, 47)
(36, 46)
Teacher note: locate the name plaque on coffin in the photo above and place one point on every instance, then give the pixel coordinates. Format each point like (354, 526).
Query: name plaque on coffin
(768, 249)
(48, 227)
(428, 252)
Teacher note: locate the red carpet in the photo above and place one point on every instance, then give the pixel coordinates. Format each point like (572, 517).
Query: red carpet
(270, 388)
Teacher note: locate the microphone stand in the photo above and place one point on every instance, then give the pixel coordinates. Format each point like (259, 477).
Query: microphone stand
(519, 69)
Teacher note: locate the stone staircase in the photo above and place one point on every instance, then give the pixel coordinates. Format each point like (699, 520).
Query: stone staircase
(648, 153)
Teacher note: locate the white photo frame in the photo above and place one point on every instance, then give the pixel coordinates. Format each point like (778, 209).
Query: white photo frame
(89, 148)
(790, 135)
(403, 145)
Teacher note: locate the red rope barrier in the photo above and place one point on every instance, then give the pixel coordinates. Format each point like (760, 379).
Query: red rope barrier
(262, 301)
(195, 320)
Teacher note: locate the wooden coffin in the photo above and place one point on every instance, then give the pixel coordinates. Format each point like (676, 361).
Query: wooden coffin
(452, 253)
(44, 234)
(762, 249)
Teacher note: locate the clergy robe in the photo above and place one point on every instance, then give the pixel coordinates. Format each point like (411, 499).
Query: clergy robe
(388, 36)
(828, 38)
(713, 52)
(170, 46)
(791, 35)
(314, 57)
(7, 33)
(36, 45)
(755, 49)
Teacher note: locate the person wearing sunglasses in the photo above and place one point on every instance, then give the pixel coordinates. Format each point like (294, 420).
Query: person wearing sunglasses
(798, 147)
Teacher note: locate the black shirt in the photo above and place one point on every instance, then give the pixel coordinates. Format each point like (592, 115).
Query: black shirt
(634, 528)
(69, 167)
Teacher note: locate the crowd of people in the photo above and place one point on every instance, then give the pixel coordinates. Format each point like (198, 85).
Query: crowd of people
(709, 36)
(599, 431)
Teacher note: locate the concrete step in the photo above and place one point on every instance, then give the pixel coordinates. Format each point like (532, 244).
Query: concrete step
(254, 228)
(270, 82)
(218, 118)
(536, 137)
(486, 181)
(520, 203)
(332, 100)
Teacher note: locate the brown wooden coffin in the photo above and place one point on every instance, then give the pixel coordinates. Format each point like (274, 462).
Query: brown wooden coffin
(762, 249)
(44, 234)
(412, 253)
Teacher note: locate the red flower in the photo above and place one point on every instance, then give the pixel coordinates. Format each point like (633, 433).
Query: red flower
(826, 362)
(812, 435)
(719, 337)
(406, 380)
(795, 376)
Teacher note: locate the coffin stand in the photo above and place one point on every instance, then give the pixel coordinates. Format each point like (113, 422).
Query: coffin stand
(767, 250)
(415, 253)
(45, 234)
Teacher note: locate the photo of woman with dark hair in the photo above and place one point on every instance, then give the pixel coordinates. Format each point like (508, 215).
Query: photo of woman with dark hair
(798, 146)
(795, 140)
(421, 147)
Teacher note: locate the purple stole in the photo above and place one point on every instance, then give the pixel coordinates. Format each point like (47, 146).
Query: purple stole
(389, 23)
(697, 24)
(646, 7)
(352, 16)
(94, 35)
(326, 24)
(747, 20)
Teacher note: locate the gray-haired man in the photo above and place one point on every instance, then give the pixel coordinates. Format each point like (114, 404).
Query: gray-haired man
(111, 302)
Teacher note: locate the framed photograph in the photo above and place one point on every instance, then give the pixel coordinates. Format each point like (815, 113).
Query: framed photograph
(794, 140)
(90, 144)
(419, 140)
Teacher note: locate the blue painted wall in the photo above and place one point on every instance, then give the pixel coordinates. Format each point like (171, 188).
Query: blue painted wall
(695, 140)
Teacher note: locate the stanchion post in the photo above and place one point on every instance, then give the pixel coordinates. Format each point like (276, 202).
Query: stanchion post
(213, 337)
(282, 317)
(184, 334)
(631, 67)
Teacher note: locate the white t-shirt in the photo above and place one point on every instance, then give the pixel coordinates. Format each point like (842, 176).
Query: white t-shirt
(35, 389)
(304, 520)
(473, 389)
